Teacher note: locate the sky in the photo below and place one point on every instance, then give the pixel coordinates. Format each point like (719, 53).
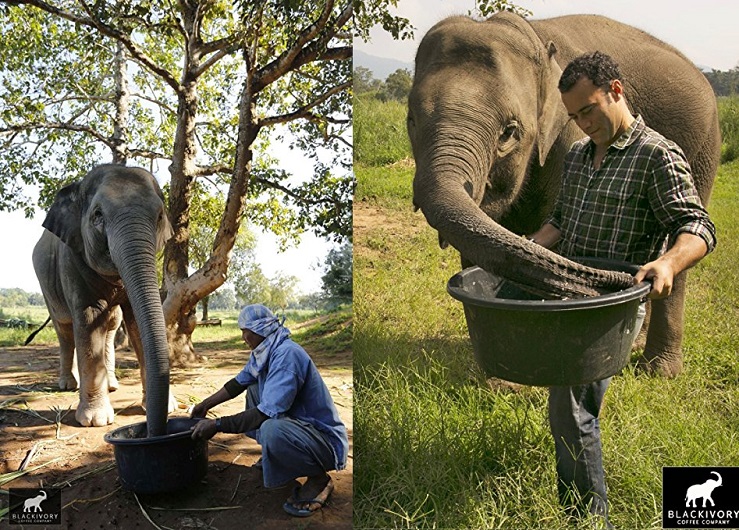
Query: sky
(707, 32)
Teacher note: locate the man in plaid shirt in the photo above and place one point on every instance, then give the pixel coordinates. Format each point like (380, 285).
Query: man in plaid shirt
(627, 195)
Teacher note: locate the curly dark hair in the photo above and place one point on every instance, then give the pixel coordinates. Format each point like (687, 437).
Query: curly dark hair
(600, 68)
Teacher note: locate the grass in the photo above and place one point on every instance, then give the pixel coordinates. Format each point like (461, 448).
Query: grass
(436, 447)
(35, 315)
(728, 109)
(379, 135)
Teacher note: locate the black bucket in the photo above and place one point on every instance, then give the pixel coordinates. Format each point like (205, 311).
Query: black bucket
(159, 464)
(521, 338)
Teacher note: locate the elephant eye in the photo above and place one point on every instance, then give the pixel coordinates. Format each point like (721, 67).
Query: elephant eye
(508, 138)
(96, 218)
(510, 131)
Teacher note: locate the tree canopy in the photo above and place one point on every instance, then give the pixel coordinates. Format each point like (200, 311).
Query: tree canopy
(202, 88)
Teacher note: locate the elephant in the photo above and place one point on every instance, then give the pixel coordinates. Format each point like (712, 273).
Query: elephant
(96, 265)
(489, 133)
(34, 502)
(704, 490)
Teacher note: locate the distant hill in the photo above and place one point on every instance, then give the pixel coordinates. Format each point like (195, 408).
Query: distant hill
(379, 66)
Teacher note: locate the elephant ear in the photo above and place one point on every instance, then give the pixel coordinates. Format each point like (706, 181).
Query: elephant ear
(63, 218)
(552, 116)
(164, 231)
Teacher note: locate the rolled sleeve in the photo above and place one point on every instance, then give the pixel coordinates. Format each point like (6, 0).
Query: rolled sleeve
(706, 231)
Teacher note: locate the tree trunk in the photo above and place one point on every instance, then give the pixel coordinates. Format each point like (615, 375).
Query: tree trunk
(122, 101)
(204, 301)
(183, 292)
(180, 318)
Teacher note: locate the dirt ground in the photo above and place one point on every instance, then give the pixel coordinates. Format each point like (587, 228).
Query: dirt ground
(82, 464)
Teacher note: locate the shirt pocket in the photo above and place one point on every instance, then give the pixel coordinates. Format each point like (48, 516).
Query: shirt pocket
(618, 197)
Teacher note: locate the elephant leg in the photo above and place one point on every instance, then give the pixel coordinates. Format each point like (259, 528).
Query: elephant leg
(94, 408)
(114, 323)
(134, 338)
(663, 351)
(68, 373)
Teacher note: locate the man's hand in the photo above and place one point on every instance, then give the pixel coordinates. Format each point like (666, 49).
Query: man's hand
(199, 410)
(204, 429)
(687, 250)
(662, 276)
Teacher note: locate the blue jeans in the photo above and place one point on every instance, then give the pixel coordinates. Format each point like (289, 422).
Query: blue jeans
(291, 448)
(573, 419)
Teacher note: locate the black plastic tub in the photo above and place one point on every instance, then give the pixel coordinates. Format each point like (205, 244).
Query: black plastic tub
(158, 464)
(521, 338)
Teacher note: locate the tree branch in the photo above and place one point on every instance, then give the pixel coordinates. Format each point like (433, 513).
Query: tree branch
(145, 153)
(284, 63)
(106, 30)
(204, 171)
(304, 111)
(57, 125)
(156, 102)
(213, 59)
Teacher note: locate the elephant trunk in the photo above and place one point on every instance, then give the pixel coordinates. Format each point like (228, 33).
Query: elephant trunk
(718, 483)
(133, 250)
(448, 206)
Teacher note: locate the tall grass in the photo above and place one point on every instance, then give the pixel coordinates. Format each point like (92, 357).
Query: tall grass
(378, 142)
(728, 110)
(437, 447)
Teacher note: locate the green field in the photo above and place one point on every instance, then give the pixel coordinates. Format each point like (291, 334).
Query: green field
(437, 447)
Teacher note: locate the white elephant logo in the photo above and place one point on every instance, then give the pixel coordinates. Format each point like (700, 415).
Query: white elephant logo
(702, 490)
(34, 502)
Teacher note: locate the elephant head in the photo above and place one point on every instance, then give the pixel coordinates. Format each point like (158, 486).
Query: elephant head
(115, 220)
(484, 116)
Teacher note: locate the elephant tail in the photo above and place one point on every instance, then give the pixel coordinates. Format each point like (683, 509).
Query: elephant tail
(32, 335)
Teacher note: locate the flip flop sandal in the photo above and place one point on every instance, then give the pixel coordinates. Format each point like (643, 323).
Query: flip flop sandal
(303, 512)
(290, 507)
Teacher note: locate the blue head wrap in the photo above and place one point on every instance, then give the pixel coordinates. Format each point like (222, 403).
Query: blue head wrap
(260, 320)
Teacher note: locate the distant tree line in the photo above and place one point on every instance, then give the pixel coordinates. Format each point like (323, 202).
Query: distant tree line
(16, 297)
(280, 293)
(396, 86)
(724, 83)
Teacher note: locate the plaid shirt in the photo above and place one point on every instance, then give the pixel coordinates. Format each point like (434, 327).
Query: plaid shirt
(642, 194)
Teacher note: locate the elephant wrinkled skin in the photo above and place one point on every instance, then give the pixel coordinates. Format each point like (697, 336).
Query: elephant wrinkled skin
(489, 134)
(96, 264)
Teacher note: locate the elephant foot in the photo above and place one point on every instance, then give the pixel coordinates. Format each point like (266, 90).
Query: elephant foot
(667, 366)
(94, 415)
(68, 382)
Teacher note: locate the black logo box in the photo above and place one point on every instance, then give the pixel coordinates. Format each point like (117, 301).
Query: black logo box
(48, 514)
(677, 505)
